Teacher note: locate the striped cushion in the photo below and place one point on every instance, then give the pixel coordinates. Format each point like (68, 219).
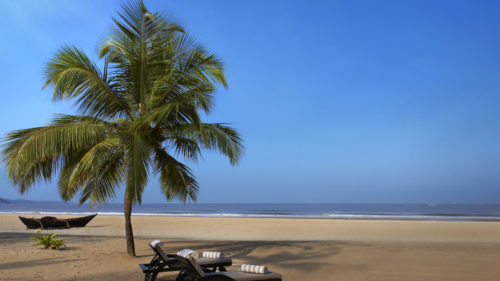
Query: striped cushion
(185, 253)
(212, 255)
(250, 268)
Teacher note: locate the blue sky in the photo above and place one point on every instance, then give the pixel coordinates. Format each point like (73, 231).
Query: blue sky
(338, 101)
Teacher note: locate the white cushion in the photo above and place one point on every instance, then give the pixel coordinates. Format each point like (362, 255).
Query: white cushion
(212, 255)
(156, 242)
(250, 268)
(186, 252)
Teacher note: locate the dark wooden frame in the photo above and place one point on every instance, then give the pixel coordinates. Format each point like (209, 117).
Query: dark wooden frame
(162, 262)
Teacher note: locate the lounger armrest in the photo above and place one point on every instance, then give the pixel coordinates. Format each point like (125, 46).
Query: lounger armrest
(145, 267)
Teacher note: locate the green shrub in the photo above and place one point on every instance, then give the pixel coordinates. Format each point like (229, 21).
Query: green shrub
(57, 244)
(48, 241)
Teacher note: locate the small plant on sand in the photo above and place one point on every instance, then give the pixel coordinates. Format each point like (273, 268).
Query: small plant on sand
(43, 240)
(57, 244)
(47, 240)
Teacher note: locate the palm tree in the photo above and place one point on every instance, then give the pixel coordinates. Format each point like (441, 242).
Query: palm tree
(138, 113)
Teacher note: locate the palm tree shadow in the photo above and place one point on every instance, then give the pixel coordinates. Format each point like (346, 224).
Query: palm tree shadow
(32, 263)
(9, 238)
(145, 256)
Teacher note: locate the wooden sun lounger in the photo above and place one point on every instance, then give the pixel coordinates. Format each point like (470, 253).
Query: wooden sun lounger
(192, 271)
(162, 262)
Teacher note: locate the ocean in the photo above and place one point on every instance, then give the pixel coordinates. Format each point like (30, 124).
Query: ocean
(447, 212)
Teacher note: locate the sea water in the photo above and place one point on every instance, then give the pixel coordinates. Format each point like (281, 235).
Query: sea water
(449, 212)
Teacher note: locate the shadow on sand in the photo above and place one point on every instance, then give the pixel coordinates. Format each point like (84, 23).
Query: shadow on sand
(285, 254)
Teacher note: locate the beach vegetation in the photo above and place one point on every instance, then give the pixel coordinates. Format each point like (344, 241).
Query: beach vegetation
(57, 244)
(139, 116)
(48, 241)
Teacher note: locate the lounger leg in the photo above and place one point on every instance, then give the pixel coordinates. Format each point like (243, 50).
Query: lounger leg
(153, 276)
(180, 276)
(184, 276)
(154, 267)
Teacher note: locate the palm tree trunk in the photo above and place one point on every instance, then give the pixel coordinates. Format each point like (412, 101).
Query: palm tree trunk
(127, 210)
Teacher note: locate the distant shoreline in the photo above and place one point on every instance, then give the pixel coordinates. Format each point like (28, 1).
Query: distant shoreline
(446, 217)
(343, 211)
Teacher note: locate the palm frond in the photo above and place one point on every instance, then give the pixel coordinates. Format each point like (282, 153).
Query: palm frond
(216, 136)
(104, 178)
(74, 75)
(34, 154)
(176, 179)
(66, 191)
(94, 158)
(96, 175)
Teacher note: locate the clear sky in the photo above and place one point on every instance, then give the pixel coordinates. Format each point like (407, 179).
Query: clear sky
(338, 101)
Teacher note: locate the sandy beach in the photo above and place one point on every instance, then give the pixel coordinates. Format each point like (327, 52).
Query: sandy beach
(299, 249)
(324, 140)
